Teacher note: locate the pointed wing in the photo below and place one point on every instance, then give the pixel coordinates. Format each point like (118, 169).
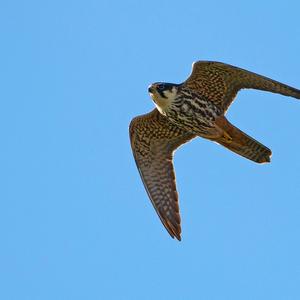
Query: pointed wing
(220, 82)
(153, 140)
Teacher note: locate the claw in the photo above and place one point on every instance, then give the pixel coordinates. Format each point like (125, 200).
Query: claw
(227, 137)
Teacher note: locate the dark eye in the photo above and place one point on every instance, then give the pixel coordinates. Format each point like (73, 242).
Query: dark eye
(161, 87)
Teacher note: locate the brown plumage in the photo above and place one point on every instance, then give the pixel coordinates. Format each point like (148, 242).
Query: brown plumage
(194, 108)
(241, 143)
(220, 82)
(153, 141)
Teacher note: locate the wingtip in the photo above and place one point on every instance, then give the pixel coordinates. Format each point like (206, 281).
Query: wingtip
(178, 238)
(175, 236)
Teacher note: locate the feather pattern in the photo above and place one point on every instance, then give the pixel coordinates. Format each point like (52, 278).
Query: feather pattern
(153, 141)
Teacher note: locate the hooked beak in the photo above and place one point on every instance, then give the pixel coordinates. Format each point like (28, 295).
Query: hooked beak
(150, 89)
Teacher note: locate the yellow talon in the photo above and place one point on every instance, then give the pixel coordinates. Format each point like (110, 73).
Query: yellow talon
(227, 137)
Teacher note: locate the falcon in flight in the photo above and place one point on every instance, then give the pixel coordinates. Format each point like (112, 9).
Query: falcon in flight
(196, 107)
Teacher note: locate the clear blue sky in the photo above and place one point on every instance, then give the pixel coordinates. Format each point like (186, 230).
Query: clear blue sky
(75, 220)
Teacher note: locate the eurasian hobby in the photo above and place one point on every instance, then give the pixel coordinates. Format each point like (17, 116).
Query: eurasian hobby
(184, 111)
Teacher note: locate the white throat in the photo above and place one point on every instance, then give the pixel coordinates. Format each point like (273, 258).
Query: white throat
(163, 104)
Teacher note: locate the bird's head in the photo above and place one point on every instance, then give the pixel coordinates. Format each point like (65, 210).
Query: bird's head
(163, 94)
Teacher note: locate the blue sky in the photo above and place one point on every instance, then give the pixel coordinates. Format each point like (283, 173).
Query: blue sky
(75, 221)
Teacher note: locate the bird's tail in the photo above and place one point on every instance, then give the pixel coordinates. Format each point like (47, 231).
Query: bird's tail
(242, 144)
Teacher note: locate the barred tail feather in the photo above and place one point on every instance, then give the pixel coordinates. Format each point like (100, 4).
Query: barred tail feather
(242, 144)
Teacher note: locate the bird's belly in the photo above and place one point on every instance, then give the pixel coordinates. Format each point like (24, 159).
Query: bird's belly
(192, 124)
(195, 116)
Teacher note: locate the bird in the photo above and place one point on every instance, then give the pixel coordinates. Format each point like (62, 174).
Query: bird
(193, 108)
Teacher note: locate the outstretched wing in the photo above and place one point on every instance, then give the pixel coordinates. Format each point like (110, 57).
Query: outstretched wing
(220, 82)
(153, 140)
